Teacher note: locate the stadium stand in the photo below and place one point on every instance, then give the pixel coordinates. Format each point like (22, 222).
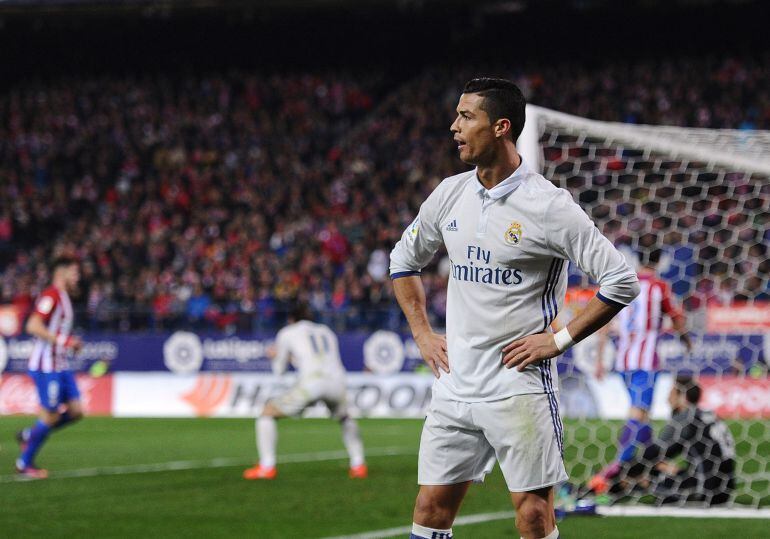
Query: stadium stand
(210, 161)
(235, 181)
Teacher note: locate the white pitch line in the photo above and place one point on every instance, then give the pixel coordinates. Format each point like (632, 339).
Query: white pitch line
(403, 530)
(613, 511)
(222, 462)
(683, 512)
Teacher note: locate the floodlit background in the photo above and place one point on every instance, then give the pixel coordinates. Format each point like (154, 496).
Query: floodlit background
(209, 162)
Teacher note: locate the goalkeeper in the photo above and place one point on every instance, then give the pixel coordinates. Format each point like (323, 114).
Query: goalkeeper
(697, 436)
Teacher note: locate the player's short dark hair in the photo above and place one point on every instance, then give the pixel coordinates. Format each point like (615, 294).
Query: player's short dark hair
(502, 99)
(300, 310)
(686, 384)
(63, 261)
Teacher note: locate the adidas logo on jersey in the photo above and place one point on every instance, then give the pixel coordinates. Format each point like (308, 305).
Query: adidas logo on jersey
(452, 226)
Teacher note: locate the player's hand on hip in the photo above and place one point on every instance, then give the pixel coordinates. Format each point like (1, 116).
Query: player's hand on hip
(434, 351)
(70, 342)
(77, 344)
(529, 350)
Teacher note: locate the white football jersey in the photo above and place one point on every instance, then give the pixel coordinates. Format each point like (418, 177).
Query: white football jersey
(313, 349)
(508, 249)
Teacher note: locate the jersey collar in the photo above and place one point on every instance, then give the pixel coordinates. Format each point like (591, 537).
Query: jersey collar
(505, 187)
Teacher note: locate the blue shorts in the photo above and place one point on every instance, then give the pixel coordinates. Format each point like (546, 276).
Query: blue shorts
(641, 385)
(55, 388)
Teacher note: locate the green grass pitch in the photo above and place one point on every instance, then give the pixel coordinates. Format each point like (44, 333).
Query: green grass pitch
(102, 492)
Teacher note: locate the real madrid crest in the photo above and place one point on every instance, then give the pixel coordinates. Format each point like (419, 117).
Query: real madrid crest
(513, 234)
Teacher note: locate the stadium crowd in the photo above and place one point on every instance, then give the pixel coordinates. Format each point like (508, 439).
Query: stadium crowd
(211, 201)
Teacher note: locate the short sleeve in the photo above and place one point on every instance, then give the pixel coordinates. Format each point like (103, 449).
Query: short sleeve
(46, 304)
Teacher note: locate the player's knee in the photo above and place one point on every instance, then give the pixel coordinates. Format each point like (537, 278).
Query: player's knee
(430, 512)
(271, 410)
(49, 418)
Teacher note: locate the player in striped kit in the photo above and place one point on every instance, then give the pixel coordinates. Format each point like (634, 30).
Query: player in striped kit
(51, 324)
(509, 233)
(638, 328)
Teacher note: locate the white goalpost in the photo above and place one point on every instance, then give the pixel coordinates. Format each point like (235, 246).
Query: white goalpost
(734, 149)
(702, 198)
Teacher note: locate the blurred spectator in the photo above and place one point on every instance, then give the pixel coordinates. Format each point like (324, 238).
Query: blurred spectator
(214, 201)
(197, 306)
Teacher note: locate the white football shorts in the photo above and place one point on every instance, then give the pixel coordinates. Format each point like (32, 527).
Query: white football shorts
(307, 392)
(524, 433)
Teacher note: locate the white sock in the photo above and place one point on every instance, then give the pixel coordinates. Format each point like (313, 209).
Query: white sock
(267, 439)
(553, 535)
(351, 437)
(430, 533)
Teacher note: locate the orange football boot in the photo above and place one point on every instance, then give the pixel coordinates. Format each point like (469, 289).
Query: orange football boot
(359, 472)
(31, 472)
(260, 472)
(598, 484)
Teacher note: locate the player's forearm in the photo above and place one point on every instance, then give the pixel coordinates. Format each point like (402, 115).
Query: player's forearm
(595, 316)
(680, 324)
(600, 347)
(37, 329)
(278, 370)
(278, 366)
(411, 298)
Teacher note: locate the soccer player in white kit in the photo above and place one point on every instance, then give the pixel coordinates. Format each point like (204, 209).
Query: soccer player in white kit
(510, 234)
(313, 350)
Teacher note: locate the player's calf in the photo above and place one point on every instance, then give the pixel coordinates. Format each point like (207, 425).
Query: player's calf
(67, 418)
(534, 522)
(535, 517)
(437, 505)
(351, 437)
(30, 441)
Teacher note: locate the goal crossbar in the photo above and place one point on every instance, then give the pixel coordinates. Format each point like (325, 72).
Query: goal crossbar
(738, 150)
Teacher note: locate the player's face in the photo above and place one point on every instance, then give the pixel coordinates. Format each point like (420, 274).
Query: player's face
(473, 131)
(674, 399)
(72, 277)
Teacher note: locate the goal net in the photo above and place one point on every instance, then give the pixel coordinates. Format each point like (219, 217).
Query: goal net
(700, 199)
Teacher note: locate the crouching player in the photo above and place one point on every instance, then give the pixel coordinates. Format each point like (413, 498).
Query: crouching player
(704, 442)
(313, 350)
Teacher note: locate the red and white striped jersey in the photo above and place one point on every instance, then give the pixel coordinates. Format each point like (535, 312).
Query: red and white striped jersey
(56, 309)
(640, 323)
